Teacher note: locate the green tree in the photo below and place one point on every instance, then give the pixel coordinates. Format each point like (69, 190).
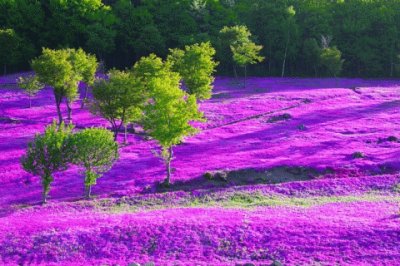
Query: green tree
(233, 36)
(137, 33)
(30, 85)
(84, 69)
(54, 69)
(245, 54)
(196, 66)
(9, 42)
(47, 154)
(167, 118)
(95, 150)
(63, 69)
(331, 59)
(119, 99)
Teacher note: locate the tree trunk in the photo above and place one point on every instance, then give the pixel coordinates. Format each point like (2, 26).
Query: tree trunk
(58, 104)
(284, 58)
(69, 111)
(5, 69)
(46, 189)
(115, 133)
(234, 71)
(30, 101)
(44, 198)
(88, 191)
(125, 133)
(85, 97)
(168, 179)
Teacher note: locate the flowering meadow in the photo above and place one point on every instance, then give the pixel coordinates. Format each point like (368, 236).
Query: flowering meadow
(311, 179)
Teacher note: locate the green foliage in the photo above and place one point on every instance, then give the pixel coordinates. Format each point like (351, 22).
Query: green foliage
(126, 30)
(47, 154)
(95, 150)
(30, 85)
(331, 59)
(168, 115)
(244, 50)
(167, 118)
(247, 53)
(147, 68)
(9, 42)
(119, 99)
(63, 69)
(196, 65)
(312, 53)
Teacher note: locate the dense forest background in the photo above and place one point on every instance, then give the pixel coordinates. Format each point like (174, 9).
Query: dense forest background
(119, 32)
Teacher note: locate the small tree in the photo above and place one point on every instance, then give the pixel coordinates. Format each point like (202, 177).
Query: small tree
(47, 154)
(244, 51)
(196, 65)
(95, 150)
(63, 69)
(233, 36)
(84, 68)
(54, 68)
(9, 42)
(245, 54)
(331, 59)
(119, 99)
(167, 118)
(31, 86)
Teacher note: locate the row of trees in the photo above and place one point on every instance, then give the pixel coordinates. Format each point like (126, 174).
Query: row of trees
(92, 149)
(120, 32)
(160, 95)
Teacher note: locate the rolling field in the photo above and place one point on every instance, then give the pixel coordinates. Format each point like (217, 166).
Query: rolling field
(312, 178)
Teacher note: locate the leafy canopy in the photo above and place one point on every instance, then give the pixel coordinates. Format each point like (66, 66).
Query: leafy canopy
(331, 59)
(120, 97)
(47, 154)
(167, 116)
(30, 85)
(196, 65)
(247, 53)
(95, 150)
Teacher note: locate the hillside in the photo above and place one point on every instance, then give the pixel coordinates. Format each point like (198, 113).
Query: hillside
(294, 192)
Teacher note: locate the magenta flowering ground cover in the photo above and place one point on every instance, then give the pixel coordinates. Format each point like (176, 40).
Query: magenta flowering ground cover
(295, 193)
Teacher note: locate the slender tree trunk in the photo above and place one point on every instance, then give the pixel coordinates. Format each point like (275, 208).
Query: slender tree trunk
(46, 188)
(284, 58)
(88, 191)
(5, 69)
(125, 133)
(58, 105)
(168, 179)
(234, 71)
(85, 97)
(44, 198)
(69, 111)
(115, 134)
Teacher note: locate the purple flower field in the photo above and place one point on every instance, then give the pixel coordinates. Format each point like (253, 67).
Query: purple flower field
(295, 193)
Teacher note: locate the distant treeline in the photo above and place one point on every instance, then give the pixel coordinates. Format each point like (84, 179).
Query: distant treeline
(119, 32)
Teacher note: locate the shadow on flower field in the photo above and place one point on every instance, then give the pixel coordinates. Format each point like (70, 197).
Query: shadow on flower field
(271, 175)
